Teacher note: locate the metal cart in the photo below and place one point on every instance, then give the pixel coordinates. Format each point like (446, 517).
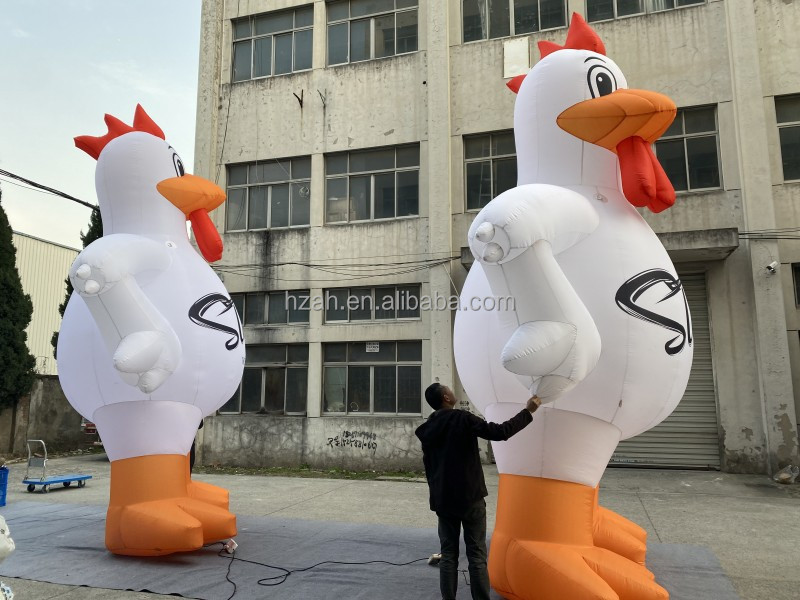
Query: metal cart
(36, 462)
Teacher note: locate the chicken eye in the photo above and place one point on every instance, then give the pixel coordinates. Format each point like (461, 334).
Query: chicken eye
(601, 81)
(178, 163)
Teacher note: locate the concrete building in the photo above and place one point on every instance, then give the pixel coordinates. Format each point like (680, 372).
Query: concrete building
(357, 139)
(43, 268)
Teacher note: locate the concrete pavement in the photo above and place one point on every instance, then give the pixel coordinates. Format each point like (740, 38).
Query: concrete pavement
(749, 522)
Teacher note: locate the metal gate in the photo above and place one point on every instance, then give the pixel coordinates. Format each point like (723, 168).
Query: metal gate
(689, 437)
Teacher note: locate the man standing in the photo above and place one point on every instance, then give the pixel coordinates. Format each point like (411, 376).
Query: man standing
(455, 478)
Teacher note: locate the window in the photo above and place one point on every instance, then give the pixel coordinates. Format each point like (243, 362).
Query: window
(385, 303)
(688, 150)
(274, 43)
(368, 185)
(796, 281)
(487, 19)
(366, 29)
(490, 166)
(787, 109)
(602, 10)
(275, 381)
(272, 308)
(268, 195)
(372, 378)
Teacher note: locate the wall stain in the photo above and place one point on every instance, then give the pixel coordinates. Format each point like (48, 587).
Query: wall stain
(787, 451)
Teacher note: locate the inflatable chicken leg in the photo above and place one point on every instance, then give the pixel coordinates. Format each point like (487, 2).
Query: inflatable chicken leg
(150, 342)
(599, 325)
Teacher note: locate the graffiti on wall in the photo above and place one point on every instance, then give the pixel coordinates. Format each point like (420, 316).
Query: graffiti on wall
(361, 440)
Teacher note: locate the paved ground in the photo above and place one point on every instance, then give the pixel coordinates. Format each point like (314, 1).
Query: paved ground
(749, 522)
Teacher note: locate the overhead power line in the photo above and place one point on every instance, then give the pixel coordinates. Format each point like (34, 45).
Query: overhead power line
(343, 271)
(46, 189)
(786, 233)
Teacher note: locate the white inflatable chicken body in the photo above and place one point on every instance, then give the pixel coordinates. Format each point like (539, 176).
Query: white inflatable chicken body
(150, 342)
(6, 548)
(598, 327)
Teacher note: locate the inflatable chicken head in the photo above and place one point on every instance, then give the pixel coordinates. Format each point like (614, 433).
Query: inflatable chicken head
(138, 161)
(576, 93)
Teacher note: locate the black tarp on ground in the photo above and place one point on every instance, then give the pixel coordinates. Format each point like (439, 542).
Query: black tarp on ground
(63, 543)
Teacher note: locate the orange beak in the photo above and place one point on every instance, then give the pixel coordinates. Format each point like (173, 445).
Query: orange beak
(608, 120)
(197, 197)
(627, 122)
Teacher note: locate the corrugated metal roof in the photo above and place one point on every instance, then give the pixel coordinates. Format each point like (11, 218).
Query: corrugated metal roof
(43, 268)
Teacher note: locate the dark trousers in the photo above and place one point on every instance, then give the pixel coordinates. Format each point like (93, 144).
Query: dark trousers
(474, 523)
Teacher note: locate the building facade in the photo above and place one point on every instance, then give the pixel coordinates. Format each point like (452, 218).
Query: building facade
(357, 139)
(42, 267)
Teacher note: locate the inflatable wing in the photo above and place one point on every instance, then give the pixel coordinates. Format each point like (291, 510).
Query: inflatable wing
(597, 325)
(150, 342)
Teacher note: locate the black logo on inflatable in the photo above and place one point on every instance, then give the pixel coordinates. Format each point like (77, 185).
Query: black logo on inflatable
(199, 309)
(630, 291)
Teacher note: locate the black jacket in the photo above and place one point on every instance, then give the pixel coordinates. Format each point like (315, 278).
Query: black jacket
(450, 452)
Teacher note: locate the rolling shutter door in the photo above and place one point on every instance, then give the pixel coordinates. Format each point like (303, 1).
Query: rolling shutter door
(689, 437)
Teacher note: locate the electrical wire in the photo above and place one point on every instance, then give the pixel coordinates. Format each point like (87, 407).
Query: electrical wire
(43, 188)
(775, 234)
(450, 277)
(350, 270)
(339, 263)
(26, 187)
(780, 233)
(276, 580)
(228, 111)
(339, 258)
(347, 271)
(372, 266)
(343, 271)
(341, 274)
(228, 572)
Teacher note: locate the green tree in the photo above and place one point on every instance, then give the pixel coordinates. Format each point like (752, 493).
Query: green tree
(16, 362)
(95, 231)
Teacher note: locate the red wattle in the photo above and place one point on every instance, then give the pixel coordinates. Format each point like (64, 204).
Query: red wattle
(644, 181)
(206, 234)
(665, 193)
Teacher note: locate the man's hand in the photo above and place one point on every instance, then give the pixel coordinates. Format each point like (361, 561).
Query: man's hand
(533, 404)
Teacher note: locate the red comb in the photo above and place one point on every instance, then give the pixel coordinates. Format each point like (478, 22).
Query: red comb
(93, 146)
(515, 83)
(579, 37)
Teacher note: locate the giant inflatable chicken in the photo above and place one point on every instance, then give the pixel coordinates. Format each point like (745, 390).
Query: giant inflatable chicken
(150, 342)
(598, 324)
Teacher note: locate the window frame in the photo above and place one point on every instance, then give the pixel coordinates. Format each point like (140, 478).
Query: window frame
(512, 32)
(348, 175)
(286, 365)
(253, 37)
(373, 305)
(248, 187)
(646, 10)
(265, 300)
(785, 125)
(371, 17)
(490, 159)
(371, 364)
(683, 136)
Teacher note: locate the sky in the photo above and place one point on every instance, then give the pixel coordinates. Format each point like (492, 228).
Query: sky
(64, 64)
